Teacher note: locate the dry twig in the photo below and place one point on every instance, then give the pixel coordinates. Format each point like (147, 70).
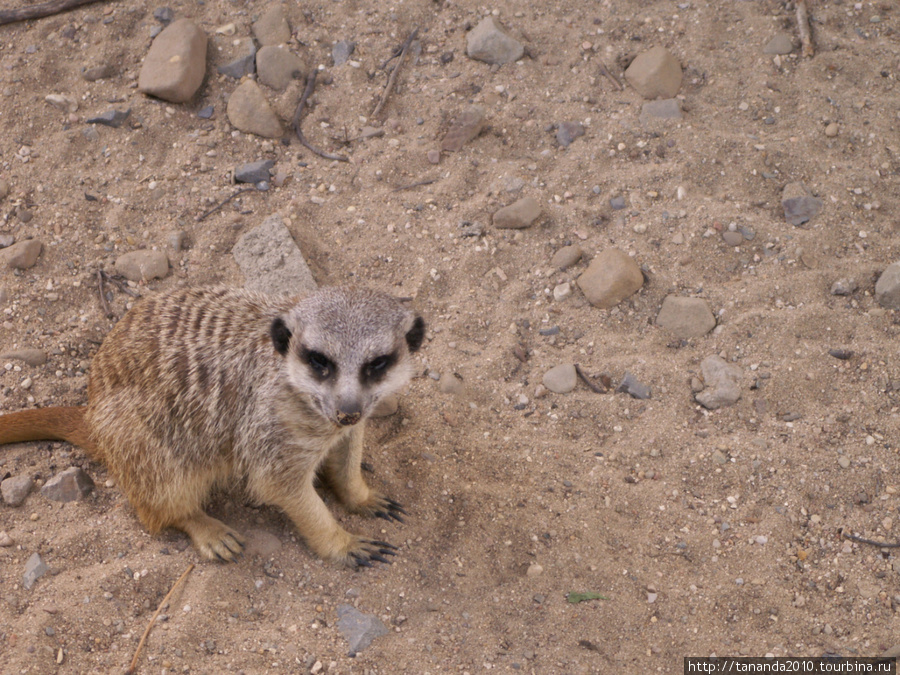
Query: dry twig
(597, 389)
(107, 312)
(119, 282)
(415, 185)
(40, 11)
(803, 27)
(224, 202)
(393, 77)
(137, 652)
(609, 76)
(310, 85)
(870, 542)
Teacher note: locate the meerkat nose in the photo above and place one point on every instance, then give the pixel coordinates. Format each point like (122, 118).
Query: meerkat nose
(348, 413)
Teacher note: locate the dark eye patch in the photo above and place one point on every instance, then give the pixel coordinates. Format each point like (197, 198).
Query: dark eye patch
(377, 368)
(321, 365)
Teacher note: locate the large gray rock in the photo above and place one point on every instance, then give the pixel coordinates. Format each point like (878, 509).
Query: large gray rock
(277, 67)
(518, 215)
(271, 262)
(359, 629)
(249, 111)
(887, 288)
(22, 255)
(272, 27)
(685, 317)
(174, 67)
(798, 203)
(655, 74)
(723, 383)
(611, 277)
(253, 172)
(487, 42)
(15, 488)
(68, 486)
(143, 265)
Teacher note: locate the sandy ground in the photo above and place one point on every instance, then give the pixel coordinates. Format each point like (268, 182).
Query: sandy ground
(705, 532)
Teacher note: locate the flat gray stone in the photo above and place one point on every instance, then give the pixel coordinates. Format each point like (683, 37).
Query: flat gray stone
(342, 51)
(487, 42)
(723, 383)
(631, 386)
(35, 568)
(798, 203)
(566, 257)
(249, 111)
(567, 132)
(244, 63)
(272, 27)
(663, 110)
(143, 265)
(70, 485)
(271, 262)
(22, 255)
(33, 357)
(110, 118)
(358, 629)
(277, 67)
(611, 277)
(655, 73)
(561, 379)
(887, 288)
(685, 317)
(781, 43)
(15, 489)
(518, 215)
(174, 67)
(253, 172)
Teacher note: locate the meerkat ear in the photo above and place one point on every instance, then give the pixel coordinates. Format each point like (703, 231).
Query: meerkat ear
(280, 334)
(416, 334)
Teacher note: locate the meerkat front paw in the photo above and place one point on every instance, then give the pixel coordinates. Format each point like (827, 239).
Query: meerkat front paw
(364, 551)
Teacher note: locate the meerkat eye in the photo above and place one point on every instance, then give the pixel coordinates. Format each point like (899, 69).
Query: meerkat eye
(320, 364)
(377, 368)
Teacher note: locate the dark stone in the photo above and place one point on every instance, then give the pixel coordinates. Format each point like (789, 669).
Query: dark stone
(341, 52)
(254, 172)
(633, 388)
(111, 118)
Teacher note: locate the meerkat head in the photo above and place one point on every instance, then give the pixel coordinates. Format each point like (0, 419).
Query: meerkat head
(345, 349)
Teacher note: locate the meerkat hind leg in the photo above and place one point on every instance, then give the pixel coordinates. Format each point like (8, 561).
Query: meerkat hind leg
(342, 471)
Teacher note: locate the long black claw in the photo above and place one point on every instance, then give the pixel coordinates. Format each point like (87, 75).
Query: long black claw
(384, 515)
(396, 506)
(379, 558)
(386, 551)
(360, 561)
(383, 544)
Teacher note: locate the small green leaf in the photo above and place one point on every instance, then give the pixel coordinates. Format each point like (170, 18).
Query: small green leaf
(574, 597)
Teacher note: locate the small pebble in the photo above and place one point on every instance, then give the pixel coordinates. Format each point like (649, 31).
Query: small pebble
(561, 379)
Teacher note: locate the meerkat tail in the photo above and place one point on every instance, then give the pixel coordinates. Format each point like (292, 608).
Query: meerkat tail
(43, 424)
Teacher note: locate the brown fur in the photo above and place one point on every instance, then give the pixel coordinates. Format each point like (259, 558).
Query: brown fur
(198, 388)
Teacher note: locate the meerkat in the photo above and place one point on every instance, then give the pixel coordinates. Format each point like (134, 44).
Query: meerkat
(198, 388)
